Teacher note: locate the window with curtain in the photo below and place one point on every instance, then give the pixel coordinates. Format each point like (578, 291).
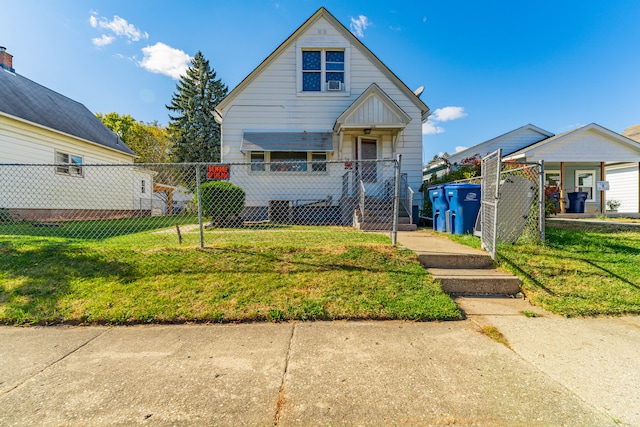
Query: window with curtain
(586, 182)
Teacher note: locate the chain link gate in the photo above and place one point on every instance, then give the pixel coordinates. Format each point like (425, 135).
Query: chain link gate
(512, 204)
(193, 200)
(491, 166)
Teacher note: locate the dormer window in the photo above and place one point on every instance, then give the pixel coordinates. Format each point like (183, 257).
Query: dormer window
(323, 70)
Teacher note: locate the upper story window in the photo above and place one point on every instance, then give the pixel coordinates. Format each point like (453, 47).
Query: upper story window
(68, 164)
(323, 70)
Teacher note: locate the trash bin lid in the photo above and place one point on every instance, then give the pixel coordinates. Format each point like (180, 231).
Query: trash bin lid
(465, 186)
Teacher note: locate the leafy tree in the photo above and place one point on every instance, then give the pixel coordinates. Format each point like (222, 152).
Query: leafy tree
(121, 124)
(193, 128)
(150, 141)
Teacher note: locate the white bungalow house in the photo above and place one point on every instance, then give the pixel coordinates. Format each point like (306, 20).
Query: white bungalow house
(320, 96)
(40, 126)
(576, 160)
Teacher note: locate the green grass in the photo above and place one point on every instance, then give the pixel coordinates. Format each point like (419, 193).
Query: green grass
(242, 275)
(582, 270)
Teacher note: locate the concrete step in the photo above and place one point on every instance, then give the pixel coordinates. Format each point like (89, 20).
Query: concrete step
(407, 227)
(476, 281)
(449, 260)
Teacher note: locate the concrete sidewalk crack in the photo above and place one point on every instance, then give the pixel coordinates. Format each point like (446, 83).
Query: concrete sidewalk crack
(55, 362)
(281, 401)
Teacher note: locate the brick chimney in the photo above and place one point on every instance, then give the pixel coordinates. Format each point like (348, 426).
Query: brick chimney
(6, 60)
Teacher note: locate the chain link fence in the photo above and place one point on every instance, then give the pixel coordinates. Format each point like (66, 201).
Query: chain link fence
(99, 201)
(512, 203)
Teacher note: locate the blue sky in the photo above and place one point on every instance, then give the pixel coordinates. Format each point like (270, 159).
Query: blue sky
(487, 67)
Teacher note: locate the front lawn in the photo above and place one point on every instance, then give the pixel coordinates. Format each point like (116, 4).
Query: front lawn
(583, 270)
(242, 275)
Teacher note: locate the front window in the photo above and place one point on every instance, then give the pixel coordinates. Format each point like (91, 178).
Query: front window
(288, 161)
(318, 162)
(323, 68)
(257, 161)
(552, 178)
(585, 182)
(68, 164)
(284, 161)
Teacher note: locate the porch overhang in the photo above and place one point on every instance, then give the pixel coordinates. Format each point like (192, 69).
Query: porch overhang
(374, 109)
(287, 141)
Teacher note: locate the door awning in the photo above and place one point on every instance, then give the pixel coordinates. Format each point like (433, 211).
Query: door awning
(287, 141)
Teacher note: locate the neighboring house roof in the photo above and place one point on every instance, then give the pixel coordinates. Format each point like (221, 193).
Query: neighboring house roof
(26, 100)
(632, 132)
(583, 144)
(323, 13)
(509, 142)
(375, 109)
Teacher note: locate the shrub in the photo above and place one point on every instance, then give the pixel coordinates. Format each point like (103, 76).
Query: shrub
(222, 201)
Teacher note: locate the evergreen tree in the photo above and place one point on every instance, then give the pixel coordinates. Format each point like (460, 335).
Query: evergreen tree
(195, 133)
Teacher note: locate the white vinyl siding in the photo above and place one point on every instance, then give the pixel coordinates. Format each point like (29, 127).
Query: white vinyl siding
(623, 186)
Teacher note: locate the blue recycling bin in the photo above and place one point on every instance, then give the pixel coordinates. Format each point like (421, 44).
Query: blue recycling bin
(439, 207)
(576, 201)
(464, 205)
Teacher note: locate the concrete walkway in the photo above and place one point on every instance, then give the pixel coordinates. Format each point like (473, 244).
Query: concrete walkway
(553, 371)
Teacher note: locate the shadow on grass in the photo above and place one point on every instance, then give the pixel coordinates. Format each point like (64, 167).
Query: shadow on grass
(41, 274)
(516, 267)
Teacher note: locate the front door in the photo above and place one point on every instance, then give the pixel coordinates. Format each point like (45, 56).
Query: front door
(366, 154)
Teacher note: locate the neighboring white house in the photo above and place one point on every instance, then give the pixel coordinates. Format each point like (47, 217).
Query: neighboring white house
(40, 126)
(509, 142)
(575, 160)
(320, 96)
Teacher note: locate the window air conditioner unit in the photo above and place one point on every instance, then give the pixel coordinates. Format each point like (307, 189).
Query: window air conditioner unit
(334, 85)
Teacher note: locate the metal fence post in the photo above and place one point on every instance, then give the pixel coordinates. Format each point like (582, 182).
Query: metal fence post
(542, 201)
(199, 206)
(396, 202)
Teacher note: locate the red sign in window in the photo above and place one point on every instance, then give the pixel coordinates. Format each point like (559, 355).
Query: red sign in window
(218, 172)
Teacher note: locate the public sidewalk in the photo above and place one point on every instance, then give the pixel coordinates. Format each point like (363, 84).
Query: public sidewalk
(554, 371)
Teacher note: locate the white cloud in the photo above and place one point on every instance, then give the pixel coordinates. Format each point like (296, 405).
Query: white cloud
(163, 59)
(102, 41)
(392, 28)
(119, 26)
(443, 114)
(359, 24)
(429, 128)
(460, 148)
(448, 113)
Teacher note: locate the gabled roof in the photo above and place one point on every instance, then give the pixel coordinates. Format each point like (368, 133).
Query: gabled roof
(493, 144)
(623, 148)
(323, 13)
(26, 100)
(373, 109)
